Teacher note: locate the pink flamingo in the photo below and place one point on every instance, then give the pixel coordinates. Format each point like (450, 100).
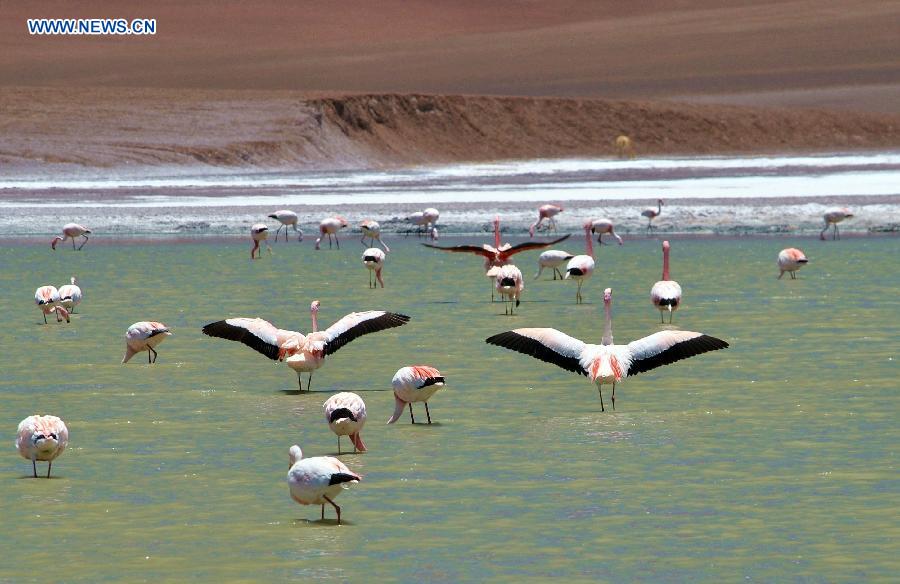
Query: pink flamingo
(790, 260)
(606, 362)
(581, 267)
(604, 225)
(71, 231)
(318, 480)
(373, 259)
(426, 221)
(372, 230)
(70, 294)
(510, 285)
(666, 294)
(330, 227)
(47, 297)
(286, 218)
(144, 336)
(552, 258)
(650, 213)
(832, 218)
(547, 212)
(414, 383)
(346, 416)
(41, 438)
(303, 353)
(259, 232)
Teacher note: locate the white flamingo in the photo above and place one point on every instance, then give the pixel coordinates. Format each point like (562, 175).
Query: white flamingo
(581, 267)
(832, 218)
(47, 298)
(71, 231)
(144, 336)
(287, 219)
(259, 232)
(552, 258)
(425, 221)
(372, 230)
(70, 294)
(604, 225)
(666, 293)
(41, 438)
(318, 480)
(510, 284)
(330, 227)
(650, 213)
(345, 413)
(373, 259)
(790, 260)
(414, 383)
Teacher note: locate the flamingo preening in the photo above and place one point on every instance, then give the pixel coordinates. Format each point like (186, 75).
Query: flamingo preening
(318, 480)
(372, 230)
(70, 294)
(330, 227)
(414, 383)
(259, 232)
(144, 336)
(790, 260)
(552, 258)
(607, 362)
(650, 213)
(303, 353)
(547, 212)
(832, 218)
(425, 222)
(373, 259)
(286, 218)
(71, 231)
(510, 284)
(581, 267)
(666, 294)
(41, 438)
(345, 413)
(604, 225)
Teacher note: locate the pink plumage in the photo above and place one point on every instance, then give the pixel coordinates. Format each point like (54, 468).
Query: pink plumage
(345, 413)
(510, 284)
(41, 438)
(373, 259)
(547, 212)
(71, 231)
(581, 267)
(47, 299)
(604, 225)
(414, 383)
(259, 232)
(832, 217)
(372, 230)
(144, 336)
(790, 260)
(330, 227)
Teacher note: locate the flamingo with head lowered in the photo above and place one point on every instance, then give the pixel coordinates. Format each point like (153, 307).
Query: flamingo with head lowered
(318, 479)
(607, 362)
(330, 227)
(604, 225)
(790, 260)
(372, 230)
(286, 218)
(259, 232)
(71, 231)
(373, 259)
(547, 212)
(47, 298)
(832, 218)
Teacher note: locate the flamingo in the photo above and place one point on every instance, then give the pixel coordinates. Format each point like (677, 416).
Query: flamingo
(318, 479)
(345, 413)
(666, 294)
(414, 383)
(373, 259)
(46, 297)
(303, 353)
(552, 258)
(791, 260)
(650, 213)
(144, 336)
(547, 212)
(510, 285)
(604, 225)
(71, 231)
(70, 294)
(832, 218)
(286, 218)
(426, 221)
(372, 230)
(606, 362)
(581, 267)
(330, 227)
(259, 232)
(41, 438)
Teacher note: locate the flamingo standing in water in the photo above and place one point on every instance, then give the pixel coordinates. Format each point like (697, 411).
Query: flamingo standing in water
(373, 259)
(607, 362)
(552, 258)
(604, 225)
(345, 413)
(144, 336)
(510, 285)
(303, 353)
(41, 438)
(790, 260)
(581, 267)
(259, 232)
(318, 480)
(650, 213)
(286, 218)
(414, 383)
(832, 218)
(70, 294)
(330, 227)
(71, 231)
(547, 212)
(46, 297)
(425, 221)
(372, 230)
(666, 294)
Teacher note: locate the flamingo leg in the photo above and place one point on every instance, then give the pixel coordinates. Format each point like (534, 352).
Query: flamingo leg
(337, 241)
(822, 233)
(149, 356)
(614, 396)
(427, 413)
(411, 418)
(34, 467)
(300, 381)
(781, 274)
(336, 508)
(45, 318)
(49, 466)
(309, 383)
(73, 244)
(578, 298)
(83, 243)
(600, 389)
(837, 233)
(560, 273)
(339, 443)
(323, 511)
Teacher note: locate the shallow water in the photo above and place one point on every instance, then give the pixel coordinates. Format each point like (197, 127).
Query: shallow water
(773, 460)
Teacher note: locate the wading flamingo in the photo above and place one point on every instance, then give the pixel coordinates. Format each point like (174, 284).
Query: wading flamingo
(345, 413)
(415, 383)
(373, 259)
(286, 218)
(510, 285)
(71, 231)
(144, 336)
(372, 230)
(604, 225)
(606, 362)
(650, 213)
(318, 480)
(330, 227)
(547, 212)
(259, 232)
(666, 294)
(832, 218)
(624, 146)
(552, 258)
(425, 221)
(303, 353)
(581, 267)
(41, 438)
(70, 294)
(791, 260)
(46, 298)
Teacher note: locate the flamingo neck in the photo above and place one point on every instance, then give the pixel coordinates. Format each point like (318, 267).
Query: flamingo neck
(497, 233)
(665, 275)
(658, 207)
(607, 324)
(315, 321)
(589, 247)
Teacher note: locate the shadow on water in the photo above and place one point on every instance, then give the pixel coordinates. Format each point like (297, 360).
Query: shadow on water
(321, 522)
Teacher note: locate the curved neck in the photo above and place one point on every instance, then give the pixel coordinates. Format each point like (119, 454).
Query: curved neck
(665, 275)
(658, 207)
(315, 321)
(607, 324)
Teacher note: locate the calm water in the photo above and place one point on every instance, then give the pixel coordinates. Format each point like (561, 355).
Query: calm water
(775, 460)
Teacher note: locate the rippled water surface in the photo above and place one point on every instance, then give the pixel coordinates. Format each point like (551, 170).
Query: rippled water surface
(774, 460)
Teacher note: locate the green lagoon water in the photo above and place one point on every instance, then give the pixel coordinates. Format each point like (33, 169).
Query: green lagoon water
(774, 460)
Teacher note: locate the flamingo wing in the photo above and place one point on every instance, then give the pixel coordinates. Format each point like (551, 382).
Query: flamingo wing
(258, 334)
(357, 324)
(667, 347)
(529, 245)
(486, 251)
(546, 344)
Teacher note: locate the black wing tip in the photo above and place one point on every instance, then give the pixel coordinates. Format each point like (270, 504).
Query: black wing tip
(342, 477)
(208, 329)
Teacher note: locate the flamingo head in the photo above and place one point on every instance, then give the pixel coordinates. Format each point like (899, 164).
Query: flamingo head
(295, 454)
(61, 310)
(56, 240)
(342, 220)
(607, 296)
(588, 226)
(660, 201)
(314, 307)
(666, 246)
(74, 281)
